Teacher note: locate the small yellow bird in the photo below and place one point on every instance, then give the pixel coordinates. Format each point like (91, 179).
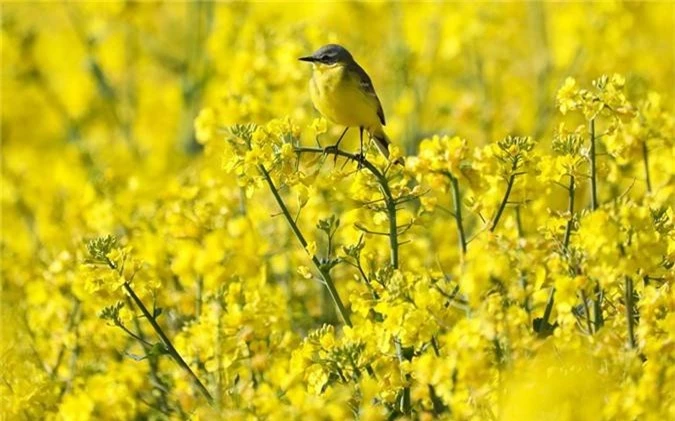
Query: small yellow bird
(343, 93)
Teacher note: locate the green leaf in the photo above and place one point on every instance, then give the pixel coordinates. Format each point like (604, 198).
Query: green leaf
(157, 350)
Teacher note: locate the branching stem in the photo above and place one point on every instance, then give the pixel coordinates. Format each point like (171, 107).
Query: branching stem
(325, 275)
(167, 342)
(152, 362)
(389, 200)
(505, 199)
(390, 204)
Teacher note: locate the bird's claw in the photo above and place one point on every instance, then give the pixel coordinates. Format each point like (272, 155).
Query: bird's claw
(332, 149)
(360, 158)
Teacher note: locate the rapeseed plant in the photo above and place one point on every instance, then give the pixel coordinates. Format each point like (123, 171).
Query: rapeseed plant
(179, 241)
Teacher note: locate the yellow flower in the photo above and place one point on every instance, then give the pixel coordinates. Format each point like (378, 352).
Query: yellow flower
(526, 391)
(319, 126)
(77, 407)
(311, 248)
(468, 330)
(316, 378)
(567, 96)
(205, 125)
(302, 195)
(304, 272)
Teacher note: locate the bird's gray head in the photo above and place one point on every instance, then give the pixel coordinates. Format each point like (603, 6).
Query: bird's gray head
(329, 55)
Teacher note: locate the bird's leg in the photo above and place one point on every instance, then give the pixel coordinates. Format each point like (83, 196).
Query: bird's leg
(334, 148)
(361, 155)
(341, 136)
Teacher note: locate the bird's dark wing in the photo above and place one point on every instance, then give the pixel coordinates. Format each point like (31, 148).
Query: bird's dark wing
(367, 87)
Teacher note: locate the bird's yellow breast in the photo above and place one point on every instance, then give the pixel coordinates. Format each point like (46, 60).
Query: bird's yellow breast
(338, 97)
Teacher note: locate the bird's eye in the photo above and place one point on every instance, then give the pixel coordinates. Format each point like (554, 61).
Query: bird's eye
(325, 57)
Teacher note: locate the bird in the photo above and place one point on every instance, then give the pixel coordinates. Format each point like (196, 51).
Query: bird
(343, 93)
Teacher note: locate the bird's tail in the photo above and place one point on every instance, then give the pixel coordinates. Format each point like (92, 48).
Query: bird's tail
(382, 142)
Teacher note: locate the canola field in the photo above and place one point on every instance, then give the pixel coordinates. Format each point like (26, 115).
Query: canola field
(178, 242)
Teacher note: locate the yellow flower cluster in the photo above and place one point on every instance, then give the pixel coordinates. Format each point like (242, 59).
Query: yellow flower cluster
(180, 239)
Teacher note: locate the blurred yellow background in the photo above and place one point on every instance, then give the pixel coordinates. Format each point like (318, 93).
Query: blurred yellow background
(99, 102)
(108, 74)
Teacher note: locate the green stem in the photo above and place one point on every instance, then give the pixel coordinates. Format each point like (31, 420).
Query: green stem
(198, 298)
(154, 370)
(505, 199)
(393, 229)
(219, 350)
(630, 319)
(549, 307)
(597, 307)
(72, 321)
(587, 311)
(136, 337)
(104, 87)
(645, 158)
(594, 185)
(437, 405)
(384, 185)
(167, 342)
(519, 222)
(485, 117)
(72, 366)
(325, 275)
(458, 212)
(570, 210)
(339, 152)
(540, 34)
(405, 403)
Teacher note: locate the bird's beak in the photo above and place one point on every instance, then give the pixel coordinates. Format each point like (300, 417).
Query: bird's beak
(308, 58)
